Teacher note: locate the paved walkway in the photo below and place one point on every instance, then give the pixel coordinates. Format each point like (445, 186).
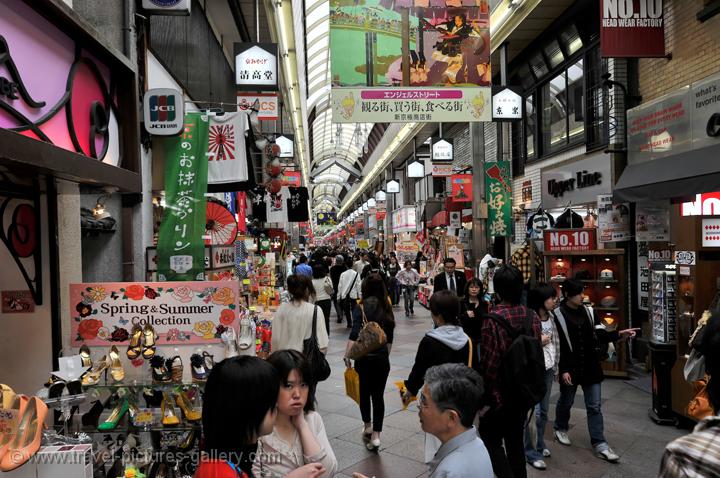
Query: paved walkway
(629, 430)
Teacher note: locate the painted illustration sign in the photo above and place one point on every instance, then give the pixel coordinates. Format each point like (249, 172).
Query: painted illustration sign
(613, 220)
(420, 105)
(179, 312)
(499, 196)
(461, 190)
(53, 90)
(267, 104)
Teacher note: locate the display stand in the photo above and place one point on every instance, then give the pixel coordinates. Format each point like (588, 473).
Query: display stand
(606, 295)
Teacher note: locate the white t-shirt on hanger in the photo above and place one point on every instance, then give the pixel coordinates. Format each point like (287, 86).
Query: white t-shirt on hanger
(227, 162)
(277, 206)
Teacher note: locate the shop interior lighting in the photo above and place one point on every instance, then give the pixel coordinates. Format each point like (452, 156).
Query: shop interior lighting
(99, 211)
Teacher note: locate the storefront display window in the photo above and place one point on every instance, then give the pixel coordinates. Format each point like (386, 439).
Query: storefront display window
(554, 113)
(576, 125)
(530, 125)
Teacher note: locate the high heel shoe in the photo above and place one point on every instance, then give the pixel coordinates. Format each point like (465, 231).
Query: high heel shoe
(169, 417)
(175, 366)
(111, 422)
(149, 337)
(209, 361)
(18, 403)
(92, 377)
(198, 369)
(230, 340)
(159, 370)
(185, 405)
(85, 356)
(29, 435)
(117, 372)
(135, 347)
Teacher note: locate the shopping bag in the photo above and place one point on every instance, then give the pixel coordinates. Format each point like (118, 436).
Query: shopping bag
(402, 389)
(352, 384)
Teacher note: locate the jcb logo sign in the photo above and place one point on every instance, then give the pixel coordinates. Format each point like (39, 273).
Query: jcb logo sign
(163, 111)
(162, 108)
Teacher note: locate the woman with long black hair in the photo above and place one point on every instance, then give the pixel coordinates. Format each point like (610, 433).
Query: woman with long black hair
(374, 368)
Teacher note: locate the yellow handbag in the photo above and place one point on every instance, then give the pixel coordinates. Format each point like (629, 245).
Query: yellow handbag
(352, 384)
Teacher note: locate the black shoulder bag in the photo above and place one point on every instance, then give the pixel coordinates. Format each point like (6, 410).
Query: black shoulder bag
(318, 363)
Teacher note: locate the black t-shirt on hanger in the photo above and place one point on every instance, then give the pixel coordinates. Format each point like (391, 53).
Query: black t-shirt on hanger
(297, 205)
(569, 220)
(259, 208)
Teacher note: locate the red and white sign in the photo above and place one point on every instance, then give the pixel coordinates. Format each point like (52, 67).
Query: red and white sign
(267, 104)
(441, 170)
(707, 204)
(632, 28)
(292, 178)
(711, 232)
(570, 240)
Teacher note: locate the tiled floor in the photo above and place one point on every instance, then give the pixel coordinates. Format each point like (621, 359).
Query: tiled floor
(638, 440)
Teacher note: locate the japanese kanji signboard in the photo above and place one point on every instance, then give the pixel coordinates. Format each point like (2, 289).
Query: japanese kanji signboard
(256, 66)
(421, 105)
(180, 248)
(498, 191)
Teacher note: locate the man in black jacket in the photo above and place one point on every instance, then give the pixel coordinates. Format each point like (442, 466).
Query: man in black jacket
(581, 336)
(450, 279)
(335, 272)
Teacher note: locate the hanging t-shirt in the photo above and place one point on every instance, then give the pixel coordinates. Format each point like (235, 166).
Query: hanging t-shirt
(277, 211)
(227, 162)
(259, 204)
(297, 204)
(569, 220)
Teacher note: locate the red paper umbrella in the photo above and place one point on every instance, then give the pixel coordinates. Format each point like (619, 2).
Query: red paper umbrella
(220, 225)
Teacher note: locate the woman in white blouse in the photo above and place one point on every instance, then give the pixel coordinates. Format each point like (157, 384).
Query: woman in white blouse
(298, 437)
(292, 323)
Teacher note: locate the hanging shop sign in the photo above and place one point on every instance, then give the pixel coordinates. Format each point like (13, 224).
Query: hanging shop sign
(17, 302)
(419, 105)
(442, 170)
(406, 251)
(643, 279)
(570, 240)
(404, 219)
(578, 182)
(456, 219)
(499, 198)
(461, 187)
(181, 313)
(163, 111)
(506, 104)
(613, 220)
(632, 28)
(267, 104)
(442, 150)
(292, 178)
(711, 232)
(180, 242)
(706, 204)
(652, 222)
(53, 90)
(449, 78)
(167, 7)
(416, 169)
(256, 66)
(327, 218)
(286, 145)
(392, 186)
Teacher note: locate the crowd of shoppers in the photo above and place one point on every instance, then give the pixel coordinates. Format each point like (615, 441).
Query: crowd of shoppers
(457, 376)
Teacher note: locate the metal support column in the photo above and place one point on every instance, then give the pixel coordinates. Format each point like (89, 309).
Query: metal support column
(479, 234)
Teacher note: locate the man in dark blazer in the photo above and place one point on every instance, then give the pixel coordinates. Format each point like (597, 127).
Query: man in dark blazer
(450, 279)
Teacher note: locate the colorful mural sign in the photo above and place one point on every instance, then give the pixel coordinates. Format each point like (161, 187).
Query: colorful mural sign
(180, 250)
(499, 198)
(449, 47)
(179, 312)
(461, 190)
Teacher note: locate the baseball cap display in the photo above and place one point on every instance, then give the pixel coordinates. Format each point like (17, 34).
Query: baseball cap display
(608, 301)
(606, 274)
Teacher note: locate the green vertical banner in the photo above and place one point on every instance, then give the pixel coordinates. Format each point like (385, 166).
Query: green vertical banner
(498, 191)
(181, 248)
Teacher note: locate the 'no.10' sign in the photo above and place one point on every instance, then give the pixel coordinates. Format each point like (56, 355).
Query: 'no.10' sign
(570, 240)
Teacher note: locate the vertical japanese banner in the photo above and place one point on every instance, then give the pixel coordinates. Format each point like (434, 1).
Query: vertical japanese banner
(461, 187)
(241, 214)
(180, 250)
(499, 196)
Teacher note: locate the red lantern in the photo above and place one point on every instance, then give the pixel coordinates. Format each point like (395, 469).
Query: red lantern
(274, 168)
(274, 186)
